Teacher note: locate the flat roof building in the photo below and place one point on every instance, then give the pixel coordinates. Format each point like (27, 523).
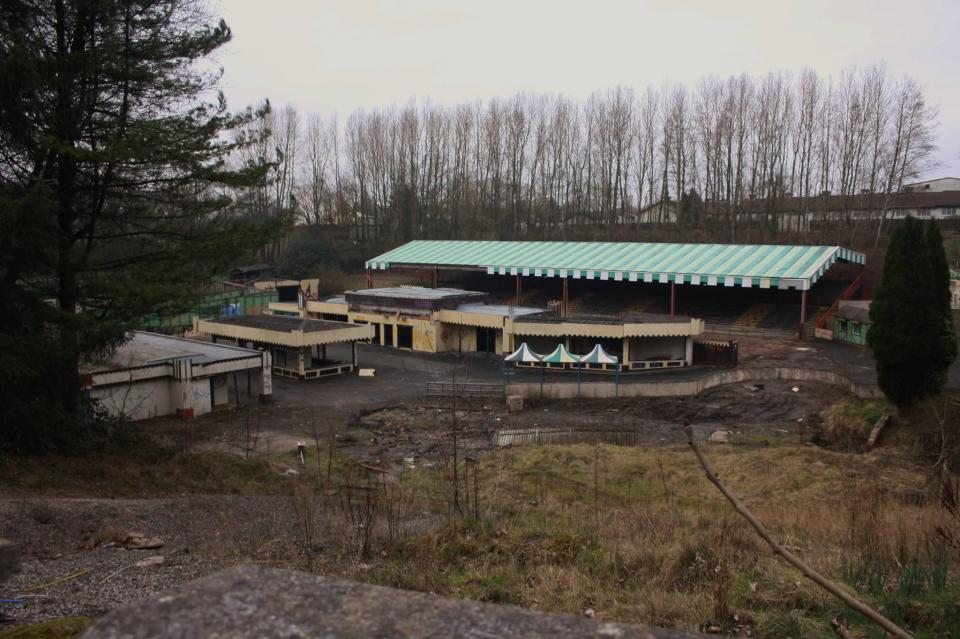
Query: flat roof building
(298, 345)
(153, 375)
(441, 320)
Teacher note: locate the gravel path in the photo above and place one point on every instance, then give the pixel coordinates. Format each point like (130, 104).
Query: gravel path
(201, 535)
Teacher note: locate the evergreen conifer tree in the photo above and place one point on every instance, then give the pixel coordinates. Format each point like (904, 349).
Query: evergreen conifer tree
(946, 351)
(907, 320)
(113, 188)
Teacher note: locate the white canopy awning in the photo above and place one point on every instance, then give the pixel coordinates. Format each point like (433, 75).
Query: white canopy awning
(523, 354)
(599, 356)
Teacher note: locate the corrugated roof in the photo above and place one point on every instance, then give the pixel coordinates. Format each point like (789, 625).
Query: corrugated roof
(145, 349)
(854, 313)
(499, 310)
(748, 265)
(282, 323)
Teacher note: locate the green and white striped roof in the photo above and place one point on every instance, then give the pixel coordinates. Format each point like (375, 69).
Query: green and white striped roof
(747, 265)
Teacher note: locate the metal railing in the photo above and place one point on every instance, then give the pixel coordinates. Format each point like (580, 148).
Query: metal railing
(847, 294)
(466, 390)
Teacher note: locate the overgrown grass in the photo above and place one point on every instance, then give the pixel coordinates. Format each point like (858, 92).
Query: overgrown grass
(639, 535)
(63, 628)
(847, 424)
(150, 472)
(636, 534)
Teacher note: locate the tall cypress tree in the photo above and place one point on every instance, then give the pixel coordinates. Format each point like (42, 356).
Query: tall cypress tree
(907, 331)
(113, 183)
(946, 351)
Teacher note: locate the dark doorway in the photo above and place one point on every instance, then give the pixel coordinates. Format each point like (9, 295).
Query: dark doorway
(376, 333)
(404, 336)
(288, 293)
(388, 334)
(486, 340)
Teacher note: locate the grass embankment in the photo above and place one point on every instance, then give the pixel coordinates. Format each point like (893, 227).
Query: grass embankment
(150, 472)
(639, 535)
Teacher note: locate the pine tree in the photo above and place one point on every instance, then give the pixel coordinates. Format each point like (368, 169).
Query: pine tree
(907, 325)
(113, 183)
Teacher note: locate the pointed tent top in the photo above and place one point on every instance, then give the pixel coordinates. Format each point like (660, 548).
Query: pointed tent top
(523, 354)
(599, 356)
(561, 356)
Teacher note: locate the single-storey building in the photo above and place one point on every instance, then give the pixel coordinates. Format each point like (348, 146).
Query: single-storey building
(297, 345)
(152, 375)
(639, 340)
(851, 322)
(435, 320)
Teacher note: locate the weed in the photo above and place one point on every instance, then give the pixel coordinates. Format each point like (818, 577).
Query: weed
(63, 628)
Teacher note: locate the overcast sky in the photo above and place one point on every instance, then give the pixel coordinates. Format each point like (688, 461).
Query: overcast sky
(333, 56)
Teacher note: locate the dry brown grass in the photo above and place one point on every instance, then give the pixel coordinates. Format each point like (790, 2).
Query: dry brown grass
(640, 535)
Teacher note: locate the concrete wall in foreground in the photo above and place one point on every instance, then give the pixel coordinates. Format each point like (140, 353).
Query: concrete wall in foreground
(255, 602)
(686, 387)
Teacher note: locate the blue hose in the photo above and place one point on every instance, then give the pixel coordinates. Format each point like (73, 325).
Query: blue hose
(11, 601)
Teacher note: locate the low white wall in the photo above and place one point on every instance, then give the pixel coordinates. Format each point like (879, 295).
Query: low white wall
(136, 400)
(681, 388)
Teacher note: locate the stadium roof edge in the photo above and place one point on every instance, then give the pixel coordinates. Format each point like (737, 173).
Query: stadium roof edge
(746, 265)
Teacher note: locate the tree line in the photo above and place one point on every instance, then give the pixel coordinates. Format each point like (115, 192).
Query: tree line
(544, 166)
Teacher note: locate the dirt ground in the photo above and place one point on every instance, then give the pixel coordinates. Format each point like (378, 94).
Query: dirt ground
(424, 431)
(380, 420)
(384, 418)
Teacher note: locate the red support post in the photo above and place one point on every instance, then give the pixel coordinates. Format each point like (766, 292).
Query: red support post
(673, 298)
(369, 278)
(803, 314)
(566, 297)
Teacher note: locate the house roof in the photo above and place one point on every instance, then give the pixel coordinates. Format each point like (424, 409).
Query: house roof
(143, 348)
(283, 330)
(747, 265)
(281, 323)
(907, 200)
(854, 313)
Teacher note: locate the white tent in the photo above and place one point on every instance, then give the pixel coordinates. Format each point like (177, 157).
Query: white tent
(599, 356)
(523, 354)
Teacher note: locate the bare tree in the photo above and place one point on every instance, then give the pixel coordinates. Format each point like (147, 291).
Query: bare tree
(548, 166)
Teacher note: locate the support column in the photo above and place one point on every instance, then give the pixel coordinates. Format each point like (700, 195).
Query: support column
(565, 302)
(673, 298)
(436, 276)
(369, 278)
(353, 351)
(625, 357)
(518, 290)
(803, 314)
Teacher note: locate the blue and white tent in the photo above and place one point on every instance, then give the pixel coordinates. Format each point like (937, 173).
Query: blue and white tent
(561, 355)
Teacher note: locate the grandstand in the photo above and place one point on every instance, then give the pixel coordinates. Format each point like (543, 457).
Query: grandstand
(736, 287)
